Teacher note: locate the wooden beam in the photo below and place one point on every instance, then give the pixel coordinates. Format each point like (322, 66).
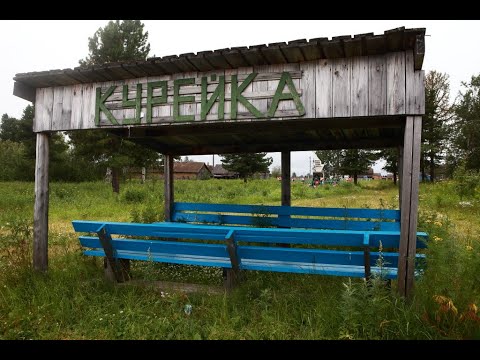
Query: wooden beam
(202, 149)
(286, 188)
(40, 212)
(405, 207)
(232, 276)
(24, 91)
(113, 266)
(412, 236)
(168, 187)
(366, 255)
(400, 172)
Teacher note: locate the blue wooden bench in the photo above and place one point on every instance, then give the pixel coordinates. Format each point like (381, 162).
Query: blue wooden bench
(338, 242)
(287, 216)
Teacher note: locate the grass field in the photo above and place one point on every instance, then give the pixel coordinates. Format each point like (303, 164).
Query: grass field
(73, 301)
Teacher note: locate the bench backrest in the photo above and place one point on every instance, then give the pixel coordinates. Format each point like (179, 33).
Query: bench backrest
(288, 216)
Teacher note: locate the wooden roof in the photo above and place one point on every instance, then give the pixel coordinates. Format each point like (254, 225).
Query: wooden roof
(399, 39)
(188, 167)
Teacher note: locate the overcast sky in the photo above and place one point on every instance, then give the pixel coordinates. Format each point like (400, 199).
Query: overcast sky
(450, 46)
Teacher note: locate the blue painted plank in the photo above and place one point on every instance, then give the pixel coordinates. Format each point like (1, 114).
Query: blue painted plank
(286, 222)
(157, 246)
(273, 235)
(290, 210)
(261, 265)
(167, 258)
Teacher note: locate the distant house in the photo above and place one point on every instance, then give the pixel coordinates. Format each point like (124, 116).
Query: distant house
(219, 172)
(191, 170)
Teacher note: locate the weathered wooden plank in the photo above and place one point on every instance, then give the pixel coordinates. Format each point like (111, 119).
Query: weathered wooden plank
(333, 49)
(366, 256)
(307, 88)
(234, 57)
(359, 87)
(414, 87)
(259, 87)
(113, 264)
(273, 54)
(24, 91)
(289, 104)
(168, 186)
(200, 62)
(286, 186)
(38, 125)
(377, 83)
(400, 172)
(88, 106)
(412, 232)
(254, 56)
(311, 50)
(395, 64)
(292, 52)
(323, 89)
(341, 87)
(233, 276)
(240, 107)
(66, 114)
(40, 213)
(217, 60)
(77, 100)
(57, 107)
(160, 110)
(419, 52)
(353, 47)
(405, 209)
(48, 108)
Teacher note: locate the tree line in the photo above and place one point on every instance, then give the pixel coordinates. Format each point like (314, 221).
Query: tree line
(450, 131)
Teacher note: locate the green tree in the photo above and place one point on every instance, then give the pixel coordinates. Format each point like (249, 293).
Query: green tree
(246, 164)
(390, 156)
(12, 158)
(435, 121)
(331, 160)
(466, 139)
(276, 171)
(117, 41)
(20, 131)
(356, 161)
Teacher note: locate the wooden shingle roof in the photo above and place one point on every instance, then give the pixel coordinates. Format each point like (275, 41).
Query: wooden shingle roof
(399, 39)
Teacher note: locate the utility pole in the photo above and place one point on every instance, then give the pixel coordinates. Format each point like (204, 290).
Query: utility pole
(213, 160)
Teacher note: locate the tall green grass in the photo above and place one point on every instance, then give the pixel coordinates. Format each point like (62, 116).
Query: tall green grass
(74, 301)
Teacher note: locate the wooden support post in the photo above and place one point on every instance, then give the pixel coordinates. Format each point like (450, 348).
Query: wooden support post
(366, 256)
(409, 204)
(286, 191)
(119, 268)
(412, 238)
(168, 187)
(286, 186)
(400, 172)
(40, 213)
(232, 276)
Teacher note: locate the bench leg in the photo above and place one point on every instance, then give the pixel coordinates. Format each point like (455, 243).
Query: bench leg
(124, 265)
(230, 278)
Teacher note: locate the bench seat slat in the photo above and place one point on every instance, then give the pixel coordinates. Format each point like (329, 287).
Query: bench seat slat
(389, 239)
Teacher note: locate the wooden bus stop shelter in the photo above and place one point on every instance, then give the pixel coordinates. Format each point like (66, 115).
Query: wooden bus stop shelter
(361, 91)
